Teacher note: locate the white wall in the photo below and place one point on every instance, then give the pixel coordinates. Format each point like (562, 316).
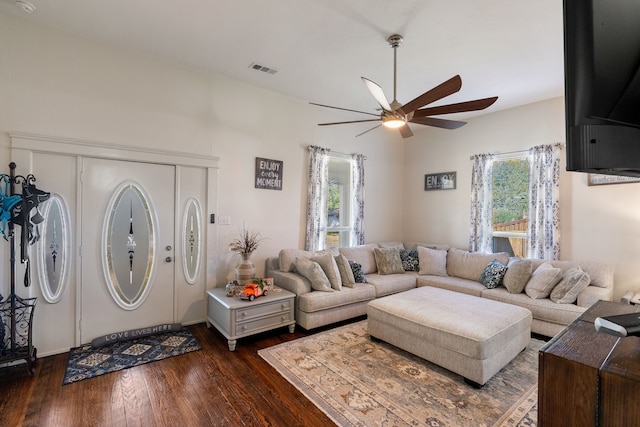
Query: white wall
(57, 85)
(598, 223)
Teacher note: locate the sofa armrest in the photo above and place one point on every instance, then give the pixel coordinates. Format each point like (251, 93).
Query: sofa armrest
(591, 294)
(292, 282)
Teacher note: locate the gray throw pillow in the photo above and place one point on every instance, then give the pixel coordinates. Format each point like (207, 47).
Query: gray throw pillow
(330, 268)
(573, 281)
(517, 276)
(542, 281)
(388, 260)
(313, 272)
(346, 274)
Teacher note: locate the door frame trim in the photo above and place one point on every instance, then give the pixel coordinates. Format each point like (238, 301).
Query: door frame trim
(24, 145)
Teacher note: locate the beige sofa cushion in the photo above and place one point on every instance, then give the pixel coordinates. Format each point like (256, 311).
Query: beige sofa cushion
(287, 257)
(346, 273)
(517, 276)
(470, 265)
(363, 255)
(314, 273)
(388, 260)
(432, 261)
(330, 268)
(542, 281)
(572, 283)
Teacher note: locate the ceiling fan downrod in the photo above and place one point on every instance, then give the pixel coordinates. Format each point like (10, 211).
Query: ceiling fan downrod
(394, 42)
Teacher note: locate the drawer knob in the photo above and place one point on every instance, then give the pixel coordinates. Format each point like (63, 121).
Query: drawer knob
(243, 314)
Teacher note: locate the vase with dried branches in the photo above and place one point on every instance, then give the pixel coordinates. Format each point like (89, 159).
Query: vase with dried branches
(247, 241)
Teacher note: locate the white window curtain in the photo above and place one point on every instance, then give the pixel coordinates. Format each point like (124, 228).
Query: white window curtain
(480, 236)
(544, 202)
(317, 185)
(357, 196)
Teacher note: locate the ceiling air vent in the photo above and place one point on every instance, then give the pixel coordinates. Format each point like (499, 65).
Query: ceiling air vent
(262, 68)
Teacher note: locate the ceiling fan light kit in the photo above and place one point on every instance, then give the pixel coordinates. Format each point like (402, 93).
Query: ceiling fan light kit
(395, 115)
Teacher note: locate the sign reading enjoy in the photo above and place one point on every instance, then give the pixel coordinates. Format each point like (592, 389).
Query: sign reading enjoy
(440, 181)
(269, 174)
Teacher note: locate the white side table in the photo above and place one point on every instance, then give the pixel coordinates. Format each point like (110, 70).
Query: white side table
(236, 318)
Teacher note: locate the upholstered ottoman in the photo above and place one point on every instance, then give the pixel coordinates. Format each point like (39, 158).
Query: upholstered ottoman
(471, 336)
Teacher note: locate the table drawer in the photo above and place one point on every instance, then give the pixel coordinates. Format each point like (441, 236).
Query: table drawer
(252, 312)
(264, 324)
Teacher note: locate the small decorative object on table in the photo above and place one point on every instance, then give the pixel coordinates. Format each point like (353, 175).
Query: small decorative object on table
(255, 289)
(231, 288)
(245, 244)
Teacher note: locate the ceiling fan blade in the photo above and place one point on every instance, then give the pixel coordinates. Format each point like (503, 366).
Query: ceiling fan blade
(447, 88)
(351, 121)
(478, 104)
(405, 131)
(439, 123)
(369, 130)
(377, 93)
(344, 109)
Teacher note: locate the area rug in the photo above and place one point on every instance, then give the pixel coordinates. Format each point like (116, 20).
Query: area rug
(87, 362)
(359, 382)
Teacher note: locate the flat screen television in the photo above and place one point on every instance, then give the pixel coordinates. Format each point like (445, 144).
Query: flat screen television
(602, 86)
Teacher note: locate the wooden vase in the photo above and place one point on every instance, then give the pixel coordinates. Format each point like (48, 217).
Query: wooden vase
(245, 270)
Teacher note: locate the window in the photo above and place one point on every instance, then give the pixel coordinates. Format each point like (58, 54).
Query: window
(338, 231)
(510, 205)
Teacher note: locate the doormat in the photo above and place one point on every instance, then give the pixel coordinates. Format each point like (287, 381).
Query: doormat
(87, 362)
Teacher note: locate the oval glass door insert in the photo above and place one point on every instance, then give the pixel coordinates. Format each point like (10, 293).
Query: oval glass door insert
(191, 240)
(53, 249)
(128, 246)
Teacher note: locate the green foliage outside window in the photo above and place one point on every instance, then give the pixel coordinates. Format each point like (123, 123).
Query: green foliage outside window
(510, 190)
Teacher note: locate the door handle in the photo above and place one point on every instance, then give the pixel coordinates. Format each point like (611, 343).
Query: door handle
(168, 259)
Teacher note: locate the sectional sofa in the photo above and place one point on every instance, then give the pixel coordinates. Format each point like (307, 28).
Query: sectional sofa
(556, 292)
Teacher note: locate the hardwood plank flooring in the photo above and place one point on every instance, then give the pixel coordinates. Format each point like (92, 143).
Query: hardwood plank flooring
(211, 387)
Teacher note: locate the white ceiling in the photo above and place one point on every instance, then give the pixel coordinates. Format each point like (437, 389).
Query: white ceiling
(321, 48)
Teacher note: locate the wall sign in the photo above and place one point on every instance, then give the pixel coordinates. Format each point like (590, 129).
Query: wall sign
(269, 174)
(440, 181)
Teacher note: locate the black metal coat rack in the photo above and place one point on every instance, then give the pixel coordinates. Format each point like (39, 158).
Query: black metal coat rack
(16, 313)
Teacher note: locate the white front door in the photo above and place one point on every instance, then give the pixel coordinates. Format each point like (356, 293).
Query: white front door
(127, 246)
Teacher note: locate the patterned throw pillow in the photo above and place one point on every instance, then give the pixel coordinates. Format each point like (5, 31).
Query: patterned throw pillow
(388, 260)
(493, 274)
(356, 268)
(409, 260)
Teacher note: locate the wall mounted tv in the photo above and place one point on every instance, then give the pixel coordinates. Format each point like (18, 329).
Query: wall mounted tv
(602, 86)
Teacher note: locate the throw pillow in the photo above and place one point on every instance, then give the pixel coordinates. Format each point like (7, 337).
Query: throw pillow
(409, 259)
(542, 281)
(573, 281)
(346, 274)
(358, 274)
(330, 268)
(517, 276)
(388, 260)
(313, 272)
(363, 255)
(432, 261)
(492, 274)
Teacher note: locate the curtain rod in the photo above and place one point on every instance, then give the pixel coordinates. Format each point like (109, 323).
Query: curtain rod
(506, 153)
(338, 152)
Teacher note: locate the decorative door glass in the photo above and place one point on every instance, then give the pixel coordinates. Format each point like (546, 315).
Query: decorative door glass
(129, 244)
(53, 249)
(191, 240)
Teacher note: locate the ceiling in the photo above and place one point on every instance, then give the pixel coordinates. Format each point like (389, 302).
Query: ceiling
(320, 48)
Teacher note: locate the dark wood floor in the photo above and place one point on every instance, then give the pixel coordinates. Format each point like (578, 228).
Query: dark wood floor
(212, 387)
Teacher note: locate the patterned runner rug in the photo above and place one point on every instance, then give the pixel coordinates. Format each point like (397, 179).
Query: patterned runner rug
(359, 382)
(87, 362)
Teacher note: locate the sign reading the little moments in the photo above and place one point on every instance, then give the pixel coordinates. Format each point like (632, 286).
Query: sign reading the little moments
(269, 174)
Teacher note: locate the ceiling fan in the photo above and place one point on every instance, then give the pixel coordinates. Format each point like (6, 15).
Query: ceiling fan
(396, 115)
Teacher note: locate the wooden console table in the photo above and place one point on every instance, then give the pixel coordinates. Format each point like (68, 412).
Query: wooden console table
(587, 378)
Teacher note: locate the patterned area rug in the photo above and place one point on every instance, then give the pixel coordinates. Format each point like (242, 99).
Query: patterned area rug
(87, 362)
(359, 382)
